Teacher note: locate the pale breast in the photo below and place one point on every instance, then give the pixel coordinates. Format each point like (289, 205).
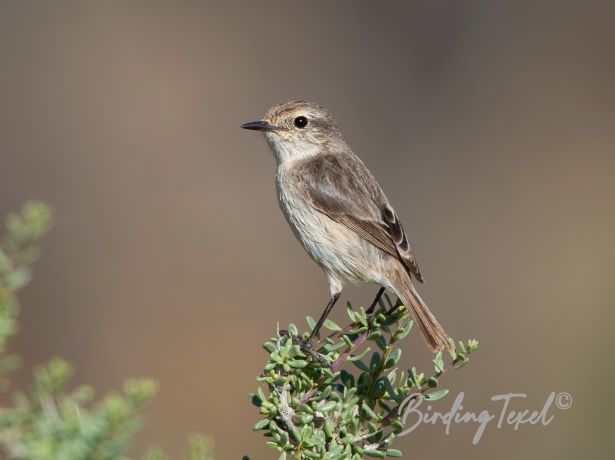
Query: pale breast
(333, 246)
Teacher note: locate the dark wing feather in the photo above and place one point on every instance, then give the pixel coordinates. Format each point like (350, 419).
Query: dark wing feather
(401, 241)
(341, 187)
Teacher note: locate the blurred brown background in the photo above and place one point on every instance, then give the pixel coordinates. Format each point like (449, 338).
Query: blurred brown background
(489, 124)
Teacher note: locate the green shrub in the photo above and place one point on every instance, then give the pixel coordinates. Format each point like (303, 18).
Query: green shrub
(315, 409)
(53, 420)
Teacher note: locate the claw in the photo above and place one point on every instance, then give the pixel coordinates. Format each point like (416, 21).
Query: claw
(305, 345)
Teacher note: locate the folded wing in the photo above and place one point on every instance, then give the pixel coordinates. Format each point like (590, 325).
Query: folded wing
(341, 187)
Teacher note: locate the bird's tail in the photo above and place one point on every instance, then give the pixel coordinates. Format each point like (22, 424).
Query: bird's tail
(434, 334)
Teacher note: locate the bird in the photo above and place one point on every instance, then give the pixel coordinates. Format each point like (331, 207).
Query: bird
(339, 213)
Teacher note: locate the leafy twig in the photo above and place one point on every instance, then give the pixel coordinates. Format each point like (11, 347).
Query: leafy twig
(316, 409)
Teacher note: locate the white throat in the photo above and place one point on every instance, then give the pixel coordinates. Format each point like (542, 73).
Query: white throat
(287, 151)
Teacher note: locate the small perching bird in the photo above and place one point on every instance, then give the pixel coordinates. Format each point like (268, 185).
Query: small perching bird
(339, 213)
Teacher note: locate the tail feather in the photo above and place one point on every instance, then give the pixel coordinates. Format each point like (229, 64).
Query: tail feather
(434, 334)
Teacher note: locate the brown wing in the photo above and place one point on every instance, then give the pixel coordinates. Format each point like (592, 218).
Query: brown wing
(341, 187)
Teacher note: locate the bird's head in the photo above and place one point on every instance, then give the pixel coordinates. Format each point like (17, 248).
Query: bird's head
(297, 129)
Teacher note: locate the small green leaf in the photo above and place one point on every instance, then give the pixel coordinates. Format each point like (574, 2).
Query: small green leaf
(434, 396)
(362, 317)
(375, 361)
(393, 358)
(402, 332)
(397, 425)
(390, 389)
(361, 365)
(254, 399)
(331, 325)
(360, 356)
(328, 406)
(438, 362)
(460, 364)
(260, 424)
(412, 377)
(350, 312)
(374, 335)
(453, 349)
(381, 342)
(369, 411)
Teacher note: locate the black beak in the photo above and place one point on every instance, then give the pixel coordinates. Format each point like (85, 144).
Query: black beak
(260, 125)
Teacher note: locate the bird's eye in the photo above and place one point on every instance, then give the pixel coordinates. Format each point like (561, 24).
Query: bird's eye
(301, 122)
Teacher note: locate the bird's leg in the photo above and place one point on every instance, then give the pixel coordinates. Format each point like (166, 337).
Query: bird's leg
(322, 319)
(372, 307)
(369, 312)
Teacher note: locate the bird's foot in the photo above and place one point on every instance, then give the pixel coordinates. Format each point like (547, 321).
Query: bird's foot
(307, 347)
(304, 344)
(374, 319)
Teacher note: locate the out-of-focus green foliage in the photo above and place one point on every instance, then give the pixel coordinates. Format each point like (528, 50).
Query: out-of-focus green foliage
(313, 409)
(53, 421)
(200, 448)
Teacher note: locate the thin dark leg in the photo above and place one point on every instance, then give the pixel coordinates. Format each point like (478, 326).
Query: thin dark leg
(323, 317)
(370, 310)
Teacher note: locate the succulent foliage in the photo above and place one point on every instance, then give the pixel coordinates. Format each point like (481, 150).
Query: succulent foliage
(343, 398)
